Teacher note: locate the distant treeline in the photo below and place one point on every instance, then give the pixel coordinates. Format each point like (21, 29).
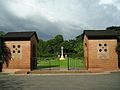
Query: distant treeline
(72, 47)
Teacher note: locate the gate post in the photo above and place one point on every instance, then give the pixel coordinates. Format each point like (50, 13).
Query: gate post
(68, 62)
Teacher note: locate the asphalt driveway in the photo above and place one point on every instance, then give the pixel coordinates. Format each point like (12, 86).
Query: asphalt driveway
(60, 82)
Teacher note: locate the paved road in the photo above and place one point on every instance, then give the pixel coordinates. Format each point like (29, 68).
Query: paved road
(60, 82)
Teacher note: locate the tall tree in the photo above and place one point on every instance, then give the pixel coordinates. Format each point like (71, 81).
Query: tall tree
(5, 53)
(53, 46)
(1, 45)
(79, 46)
(58, 43)
(114, 28)
(59, 39)
(1, 33)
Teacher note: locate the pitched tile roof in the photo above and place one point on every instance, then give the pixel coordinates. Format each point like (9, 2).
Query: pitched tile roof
(20, 35)
(100, 34)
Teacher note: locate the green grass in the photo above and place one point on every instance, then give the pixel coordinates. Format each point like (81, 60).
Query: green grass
(55, 62)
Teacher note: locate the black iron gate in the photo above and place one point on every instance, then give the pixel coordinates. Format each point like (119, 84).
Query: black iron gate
(53, 62)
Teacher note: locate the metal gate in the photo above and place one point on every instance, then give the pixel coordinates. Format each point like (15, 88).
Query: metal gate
(53, 62)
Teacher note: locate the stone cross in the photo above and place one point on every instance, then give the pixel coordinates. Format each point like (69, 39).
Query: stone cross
(62, 57)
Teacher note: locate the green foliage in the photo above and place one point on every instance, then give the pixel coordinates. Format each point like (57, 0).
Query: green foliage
(41, 48)
(116, 29)
(1, 33)
(69, 46)
(118, 51)
(113, 28)
(5, 53)
(59, 39)
(118, 48)
(53, 46)
(1, 46)
(79, 46)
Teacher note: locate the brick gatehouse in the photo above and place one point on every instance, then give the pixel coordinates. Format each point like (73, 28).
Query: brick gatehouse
(100, 50)
(22, 47)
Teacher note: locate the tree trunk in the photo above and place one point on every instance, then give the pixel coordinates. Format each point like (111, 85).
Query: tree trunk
(0, 67)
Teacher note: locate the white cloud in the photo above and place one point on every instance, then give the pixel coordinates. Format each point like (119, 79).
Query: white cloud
(106, 1)
(22, 8)
(52, 10)
(67, 17)
(116, 3)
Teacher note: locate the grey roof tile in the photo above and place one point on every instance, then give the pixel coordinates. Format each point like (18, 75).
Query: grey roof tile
(19, 35)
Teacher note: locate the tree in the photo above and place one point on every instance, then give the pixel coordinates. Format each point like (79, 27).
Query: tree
(66, 46)
(1, 46)
(1, 50)
(116, 29)
(53, 46)
(50, 46)
(118, 52)
(5, 53)
(1, 33)
(113, 28)
(59, 39)
(79, 46)
(40, 48)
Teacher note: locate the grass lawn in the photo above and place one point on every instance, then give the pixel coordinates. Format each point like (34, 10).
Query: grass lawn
(55, 62)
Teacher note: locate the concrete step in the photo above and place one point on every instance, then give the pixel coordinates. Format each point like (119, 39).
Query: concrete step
(21, 72)
(57, 71)
(96, 70)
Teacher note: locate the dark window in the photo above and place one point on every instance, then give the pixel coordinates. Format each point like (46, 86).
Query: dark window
(13, 51)
(100, 44)
(18, 46)
(13, 46)
(100, 50)
(105, 50)
(18, 51)
(105, 44)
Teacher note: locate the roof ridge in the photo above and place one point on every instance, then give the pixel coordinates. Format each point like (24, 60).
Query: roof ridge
(20, 35)
(99, 34)
(21, 32)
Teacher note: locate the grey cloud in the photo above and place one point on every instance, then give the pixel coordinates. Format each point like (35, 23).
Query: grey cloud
(9, 22)
(101, 16)
(77, 16)
(117, 1)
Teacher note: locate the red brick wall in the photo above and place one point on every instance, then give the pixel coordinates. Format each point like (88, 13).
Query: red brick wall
(19, 60)
(85, 44)
(100, 61)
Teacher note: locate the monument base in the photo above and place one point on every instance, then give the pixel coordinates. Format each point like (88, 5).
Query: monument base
(62, 58)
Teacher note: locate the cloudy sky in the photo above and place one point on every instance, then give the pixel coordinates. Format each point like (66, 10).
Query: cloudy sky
(51, 17)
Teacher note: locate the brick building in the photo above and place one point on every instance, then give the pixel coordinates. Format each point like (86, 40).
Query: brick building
(100, 50)
(21, 48)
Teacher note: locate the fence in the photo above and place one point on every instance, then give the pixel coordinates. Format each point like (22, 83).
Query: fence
(53, 62)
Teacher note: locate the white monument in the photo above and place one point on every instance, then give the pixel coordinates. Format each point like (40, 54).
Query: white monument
(62, 57)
